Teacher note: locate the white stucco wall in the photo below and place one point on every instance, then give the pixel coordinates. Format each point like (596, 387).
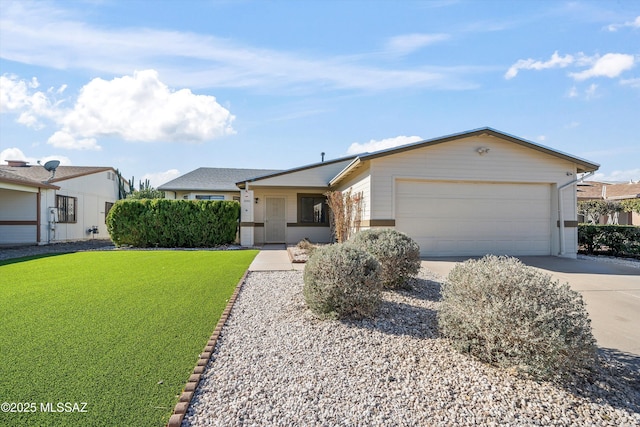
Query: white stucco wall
(91, 192)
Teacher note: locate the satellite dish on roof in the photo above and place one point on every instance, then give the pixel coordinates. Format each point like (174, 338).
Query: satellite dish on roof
(51, 166)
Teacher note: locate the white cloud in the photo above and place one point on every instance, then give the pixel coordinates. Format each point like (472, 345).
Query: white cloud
(590, 93)
(18, 96)
(376, 145)
(610, 65)
(572, 125)
(556, 61)
(142, 108)
(62, 139)
(634, 83)
(156, 179)
(64, 42)
(632, 24)
(134, 108)
(541, 138)
(15, 153)
(408, 43)
(618, 175)
(12, 154)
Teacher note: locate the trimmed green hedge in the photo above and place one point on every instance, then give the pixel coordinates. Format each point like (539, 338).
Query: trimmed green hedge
(173, 223)
(616, 240)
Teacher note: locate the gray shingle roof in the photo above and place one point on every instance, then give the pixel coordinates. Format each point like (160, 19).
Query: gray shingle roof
(39, 174)
(12, 178)
(214, 179)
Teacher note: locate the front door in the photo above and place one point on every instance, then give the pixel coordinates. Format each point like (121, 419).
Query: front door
(275, 220)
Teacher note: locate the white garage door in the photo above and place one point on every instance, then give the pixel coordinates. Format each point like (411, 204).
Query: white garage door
(453, 218)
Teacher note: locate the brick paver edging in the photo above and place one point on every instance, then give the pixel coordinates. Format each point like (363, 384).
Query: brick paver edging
(187, 394)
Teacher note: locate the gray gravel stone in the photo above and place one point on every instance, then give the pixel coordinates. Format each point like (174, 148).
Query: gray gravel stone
(276, 364)
(629, 262)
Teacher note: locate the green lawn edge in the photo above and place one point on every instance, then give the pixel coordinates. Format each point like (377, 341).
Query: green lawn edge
(118, 330)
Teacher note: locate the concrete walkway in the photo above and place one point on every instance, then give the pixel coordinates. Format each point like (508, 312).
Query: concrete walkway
(274, 258)
(610, 291)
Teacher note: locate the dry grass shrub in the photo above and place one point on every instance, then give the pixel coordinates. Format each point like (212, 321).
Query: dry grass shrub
(345, 213)
(306, 246)
(397, 253)
(341, 281)
(510, 315)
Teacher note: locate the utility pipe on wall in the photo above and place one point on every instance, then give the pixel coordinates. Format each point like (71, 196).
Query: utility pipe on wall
(561, 210)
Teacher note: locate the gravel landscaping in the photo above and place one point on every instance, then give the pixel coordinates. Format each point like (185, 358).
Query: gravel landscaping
(629, 262)
(275, 364)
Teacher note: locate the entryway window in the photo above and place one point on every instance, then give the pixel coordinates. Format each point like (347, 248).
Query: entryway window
(312, 209)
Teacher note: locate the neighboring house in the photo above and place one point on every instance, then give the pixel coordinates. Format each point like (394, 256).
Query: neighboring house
(36, 208)
(472, 193)
(594, 190)
(210, 183)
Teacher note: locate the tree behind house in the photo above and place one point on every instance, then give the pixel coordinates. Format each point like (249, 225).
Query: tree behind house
(146, 191)
(592, 210)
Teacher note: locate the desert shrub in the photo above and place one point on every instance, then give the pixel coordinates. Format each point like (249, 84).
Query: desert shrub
(616, 240)
(397, 253)
(589, 237)
(306, 246)
(340, 281)
(514, 316)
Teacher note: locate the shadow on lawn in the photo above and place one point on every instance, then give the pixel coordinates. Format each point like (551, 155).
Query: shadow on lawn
(29, 258)
(14, 254)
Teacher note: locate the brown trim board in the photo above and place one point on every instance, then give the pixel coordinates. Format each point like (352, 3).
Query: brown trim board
(19, 222)
(378, 223)
(570, 224)
(252, 224)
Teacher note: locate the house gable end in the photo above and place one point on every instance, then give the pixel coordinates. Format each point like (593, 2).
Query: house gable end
(581, 165)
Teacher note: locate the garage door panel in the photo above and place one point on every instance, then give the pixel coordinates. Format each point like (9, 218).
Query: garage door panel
(453, 218)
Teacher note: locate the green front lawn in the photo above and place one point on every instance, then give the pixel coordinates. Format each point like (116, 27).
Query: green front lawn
(117, 331)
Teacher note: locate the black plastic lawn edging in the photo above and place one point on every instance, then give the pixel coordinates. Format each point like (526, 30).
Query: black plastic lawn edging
(184, 401)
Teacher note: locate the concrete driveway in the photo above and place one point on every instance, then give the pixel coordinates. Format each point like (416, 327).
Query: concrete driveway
(610, 291)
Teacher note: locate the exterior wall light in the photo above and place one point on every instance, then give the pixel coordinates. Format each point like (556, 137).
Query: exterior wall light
(482, 150)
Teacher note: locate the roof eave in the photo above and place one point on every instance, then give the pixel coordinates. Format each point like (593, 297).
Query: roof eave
(242, 184)
(29, 183)
(85, 173)
(348, 170)
(583, 165)
(624, 197)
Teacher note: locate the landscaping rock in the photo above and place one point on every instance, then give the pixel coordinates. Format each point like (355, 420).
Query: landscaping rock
(276, 364)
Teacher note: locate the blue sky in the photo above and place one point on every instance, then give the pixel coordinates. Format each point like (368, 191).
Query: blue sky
(160, 88)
